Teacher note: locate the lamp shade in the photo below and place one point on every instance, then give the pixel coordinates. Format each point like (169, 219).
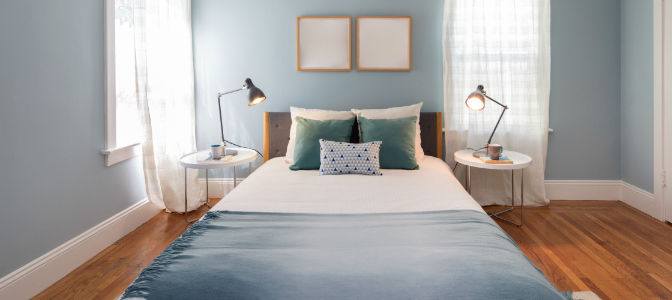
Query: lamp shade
(476, 100)
(254, 94)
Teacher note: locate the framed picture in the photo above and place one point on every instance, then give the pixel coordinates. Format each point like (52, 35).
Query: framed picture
(323, 44)
(383, 43)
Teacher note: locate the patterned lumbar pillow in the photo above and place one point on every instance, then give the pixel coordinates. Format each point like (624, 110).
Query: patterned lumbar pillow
(344, 158)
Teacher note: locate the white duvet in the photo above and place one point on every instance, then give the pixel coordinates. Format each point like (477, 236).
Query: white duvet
(275, 188)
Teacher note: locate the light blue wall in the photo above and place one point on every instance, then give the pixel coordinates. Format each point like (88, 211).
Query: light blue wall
(257, 39)
(637, 93)
(585, 103)
(53, 185)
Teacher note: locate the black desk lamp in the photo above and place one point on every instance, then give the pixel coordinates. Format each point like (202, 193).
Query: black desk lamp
(254, 97)
(476, 102)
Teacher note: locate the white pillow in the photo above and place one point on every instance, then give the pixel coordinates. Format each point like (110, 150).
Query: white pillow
(313, 114)
(395, 113)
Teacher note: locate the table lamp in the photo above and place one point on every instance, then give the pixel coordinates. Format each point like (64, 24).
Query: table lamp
(476, 102)
(254, 97)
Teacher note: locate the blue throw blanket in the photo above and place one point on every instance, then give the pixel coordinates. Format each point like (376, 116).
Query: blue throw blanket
(427, 255)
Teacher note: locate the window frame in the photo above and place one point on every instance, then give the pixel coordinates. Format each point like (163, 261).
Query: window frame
(113, 153)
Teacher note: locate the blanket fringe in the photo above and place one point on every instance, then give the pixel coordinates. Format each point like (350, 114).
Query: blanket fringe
(140, 287)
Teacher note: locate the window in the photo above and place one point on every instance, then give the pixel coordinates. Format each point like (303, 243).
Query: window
(495, 44)
(122, 128)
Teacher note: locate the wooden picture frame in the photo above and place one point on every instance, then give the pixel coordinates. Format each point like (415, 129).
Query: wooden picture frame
(384, 43)
(323, 43)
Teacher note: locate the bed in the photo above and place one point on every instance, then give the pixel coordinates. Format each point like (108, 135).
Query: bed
(285, 234)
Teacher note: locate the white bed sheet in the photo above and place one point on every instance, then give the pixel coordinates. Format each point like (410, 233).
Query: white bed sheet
(275, 188)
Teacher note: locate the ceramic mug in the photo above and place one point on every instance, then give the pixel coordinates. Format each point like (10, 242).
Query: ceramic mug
(217, 151)
(495, 151)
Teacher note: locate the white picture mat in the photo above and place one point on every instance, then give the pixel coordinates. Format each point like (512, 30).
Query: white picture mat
(384, 43)
(324, 43)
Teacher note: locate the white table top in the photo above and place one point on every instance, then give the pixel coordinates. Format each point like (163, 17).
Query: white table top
(195, 160)
(520, 160)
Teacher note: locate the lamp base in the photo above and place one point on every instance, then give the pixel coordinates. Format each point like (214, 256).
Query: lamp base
(231, 152)
(478, 154)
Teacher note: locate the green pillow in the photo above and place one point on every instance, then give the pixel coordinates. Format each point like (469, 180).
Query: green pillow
(398, 136)
(308, 135)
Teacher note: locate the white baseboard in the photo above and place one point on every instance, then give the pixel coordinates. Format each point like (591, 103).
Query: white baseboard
(46, 270)
(640, 199)
(603, 190)
(219, 187)
(583, 189)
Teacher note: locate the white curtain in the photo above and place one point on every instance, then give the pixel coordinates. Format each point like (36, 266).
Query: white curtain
(503, 45)
(164, 74)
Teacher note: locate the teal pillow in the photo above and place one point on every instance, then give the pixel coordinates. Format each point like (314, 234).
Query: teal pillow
(398, 136)
(308, 135)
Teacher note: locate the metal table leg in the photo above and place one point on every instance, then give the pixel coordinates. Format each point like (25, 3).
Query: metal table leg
(207, 190)
(496, 215)
(235, 180)
(469, 180)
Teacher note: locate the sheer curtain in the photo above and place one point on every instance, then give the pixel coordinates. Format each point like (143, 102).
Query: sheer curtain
(164, 82)
(503, 45)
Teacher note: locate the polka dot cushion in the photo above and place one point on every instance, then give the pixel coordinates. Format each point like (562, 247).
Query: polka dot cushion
(338, 158)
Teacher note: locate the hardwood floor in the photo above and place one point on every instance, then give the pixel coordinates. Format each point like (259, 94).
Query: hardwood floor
(606, 247)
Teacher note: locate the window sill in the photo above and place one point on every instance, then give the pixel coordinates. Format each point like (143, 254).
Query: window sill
(119, 154)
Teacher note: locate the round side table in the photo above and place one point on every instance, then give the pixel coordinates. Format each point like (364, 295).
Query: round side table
(197, 160)
(520, 161)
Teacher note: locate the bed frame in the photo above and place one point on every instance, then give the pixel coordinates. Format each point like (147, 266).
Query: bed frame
(277, 124)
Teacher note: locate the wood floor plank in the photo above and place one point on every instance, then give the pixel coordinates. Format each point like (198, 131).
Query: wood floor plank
(591, 227)
(622, 274)
(554, 257)
(591, 247)
(607, 247)
(636, 245)
(629, 244)
(591, 265)
(666, 283)
(636, 253)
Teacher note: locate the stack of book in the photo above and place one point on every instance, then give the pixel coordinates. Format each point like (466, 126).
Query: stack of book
(503, 160)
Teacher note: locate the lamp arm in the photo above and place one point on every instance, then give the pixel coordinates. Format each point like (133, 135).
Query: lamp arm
(500, 118)
(240, 89)
(219, 100)
(221, 124)
(493, 100)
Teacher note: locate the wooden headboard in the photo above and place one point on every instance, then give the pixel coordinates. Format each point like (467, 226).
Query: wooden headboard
(277, 124)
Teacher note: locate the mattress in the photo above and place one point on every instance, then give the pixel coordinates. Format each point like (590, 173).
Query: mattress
(285, 234)
(275, 188)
